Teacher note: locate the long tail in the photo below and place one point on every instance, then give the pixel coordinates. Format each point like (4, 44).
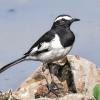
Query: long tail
(12, 64)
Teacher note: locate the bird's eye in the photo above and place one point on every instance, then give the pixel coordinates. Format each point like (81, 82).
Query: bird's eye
(63, 19)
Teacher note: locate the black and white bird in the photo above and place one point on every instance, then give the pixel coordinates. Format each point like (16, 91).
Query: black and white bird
(53, 45)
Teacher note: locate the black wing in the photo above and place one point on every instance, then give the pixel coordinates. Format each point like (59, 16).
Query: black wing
(46, 38)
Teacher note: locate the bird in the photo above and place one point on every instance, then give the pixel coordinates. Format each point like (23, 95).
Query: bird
(52, 45)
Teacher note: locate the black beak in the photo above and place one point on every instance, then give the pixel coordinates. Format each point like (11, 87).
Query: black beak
(75, 19)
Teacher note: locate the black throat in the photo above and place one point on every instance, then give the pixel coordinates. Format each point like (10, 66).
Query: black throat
(67, 37)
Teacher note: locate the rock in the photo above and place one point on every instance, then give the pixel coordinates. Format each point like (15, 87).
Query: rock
(77, 96)
(7, 95)
(81, 76)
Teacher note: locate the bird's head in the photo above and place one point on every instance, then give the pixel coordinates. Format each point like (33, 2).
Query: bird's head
(64, 20)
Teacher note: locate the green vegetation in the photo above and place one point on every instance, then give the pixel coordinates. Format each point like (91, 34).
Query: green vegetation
(96, 92)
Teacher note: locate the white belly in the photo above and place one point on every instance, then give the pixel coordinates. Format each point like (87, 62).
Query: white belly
(56, 51)
(53, 55)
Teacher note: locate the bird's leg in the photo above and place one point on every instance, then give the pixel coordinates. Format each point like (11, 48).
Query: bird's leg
(50, 71)
(52, 87)
(47, 65)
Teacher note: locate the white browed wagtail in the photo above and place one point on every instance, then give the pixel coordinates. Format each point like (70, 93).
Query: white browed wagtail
(53, 45)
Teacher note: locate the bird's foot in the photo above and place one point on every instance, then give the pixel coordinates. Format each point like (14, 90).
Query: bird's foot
(49, 90)
(52, 88)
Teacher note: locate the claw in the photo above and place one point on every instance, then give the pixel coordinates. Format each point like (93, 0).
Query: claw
(52, 88)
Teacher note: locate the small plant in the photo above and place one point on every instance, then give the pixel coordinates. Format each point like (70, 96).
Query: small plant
(96, 92)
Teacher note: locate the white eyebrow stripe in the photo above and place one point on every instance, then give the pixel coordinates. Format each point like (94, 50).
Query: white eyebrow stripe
(64, 17)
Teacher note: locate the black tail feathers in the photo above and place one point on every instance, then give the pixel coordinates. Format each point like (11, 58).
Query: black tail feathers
(12, 64)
